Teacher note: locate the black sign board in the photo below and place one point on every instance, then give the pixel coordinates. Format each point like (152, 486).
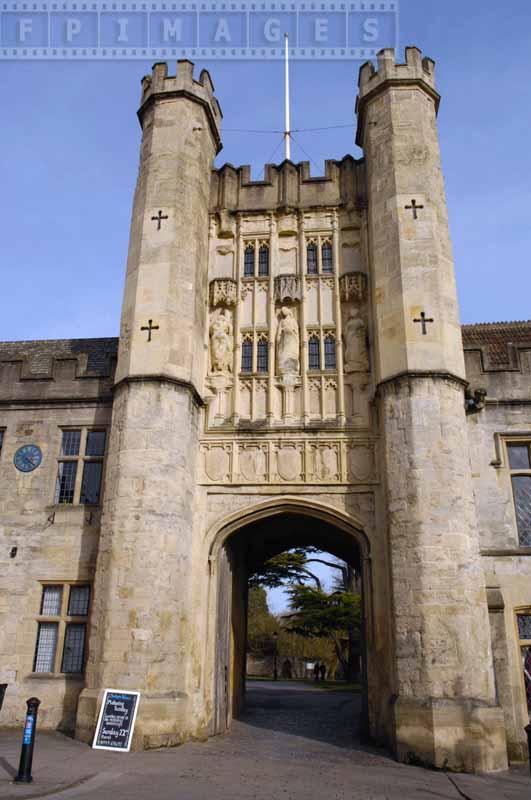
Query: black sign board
(116, 720)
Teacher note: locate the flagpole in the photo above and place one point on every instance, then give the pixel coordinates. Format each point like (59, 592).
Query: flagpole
(287, 140)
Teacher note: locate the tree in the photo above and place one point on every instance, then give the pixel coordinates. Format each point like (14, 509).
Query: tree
(339, 611)
(337, 616)
(261, 624)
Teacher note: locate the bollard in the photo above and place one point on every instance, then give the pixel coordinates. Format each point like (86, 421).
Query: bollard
(528, 731)
(28, 740)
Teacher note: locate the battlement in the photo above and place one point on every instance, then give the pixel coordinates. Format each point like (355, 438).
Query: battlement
(183, 84)
(416, 68)
(417, 71)
(289, 185)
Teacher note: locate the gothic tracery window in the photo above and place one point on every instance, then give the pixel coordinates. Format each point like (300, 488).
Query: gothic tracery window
(263, 260)
(326, 257)
(311, 259)
(262, 356)
(330, 351)
(314, 352)
(247, 355)
(248, 262)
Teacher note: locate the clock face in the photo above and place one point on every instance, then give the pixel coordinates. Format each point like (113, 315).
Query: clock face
(27, 458)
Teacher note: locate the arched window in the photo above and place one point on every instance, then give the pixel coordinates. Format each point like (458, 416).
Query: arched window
(248, 261)
(262, 356)
(247, 355)
(326, 257)
(314, 352)
(330, 352)
(311, 258)
(263, 260)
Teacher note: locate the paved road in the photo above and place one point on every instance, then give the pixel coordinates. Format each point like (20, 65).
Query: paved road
(295, 742)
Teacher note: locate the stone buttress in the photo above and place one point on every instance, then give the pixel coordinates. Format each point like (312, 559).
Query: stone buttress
(445, 708)
(142, 632)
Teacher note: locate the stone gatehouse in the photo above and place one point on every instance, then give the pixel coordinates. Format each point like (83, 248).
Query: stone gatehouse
(290, 370)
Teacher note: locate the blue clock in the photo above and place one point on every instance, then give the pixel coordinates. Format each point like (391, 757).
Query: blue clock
(28, 457)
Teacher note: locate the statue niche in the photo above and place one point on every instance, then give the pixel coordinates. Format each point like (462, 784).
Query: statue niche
(287, 343)
(221, 342)
(355, 337)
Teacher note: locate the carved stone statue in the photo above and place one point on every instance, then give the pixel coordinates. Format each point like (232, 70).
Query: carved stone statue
(221, 342)
(287, 343)
(356, 353)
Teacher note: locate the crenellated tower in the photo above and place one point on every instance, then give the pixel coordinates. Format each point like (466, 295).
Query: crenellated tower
(445, 710)
(143, 634)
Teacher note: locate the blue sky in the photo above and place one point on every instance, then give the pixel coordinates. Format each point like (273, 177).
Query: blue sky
(69, 139)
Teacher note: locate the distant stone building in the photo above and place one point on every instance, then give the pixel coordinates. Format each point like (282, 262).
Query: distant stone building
(290, 370)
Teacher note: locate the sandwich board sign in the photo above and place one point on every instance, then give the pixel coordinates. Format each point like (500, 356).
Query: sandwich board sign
(116, 720)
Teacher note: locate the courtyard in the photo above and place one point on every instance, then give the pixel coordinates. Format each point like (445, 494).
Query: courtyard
(294, 741)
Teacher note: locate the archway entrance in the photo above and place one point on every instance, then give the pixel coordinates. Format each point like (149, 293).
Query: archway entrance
(241, 548)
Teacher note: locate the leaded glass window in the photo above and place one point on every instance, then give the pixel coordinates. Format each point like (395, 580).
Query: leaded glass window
(88, 447)
(78, 601)
(330, 352)
(46, 647)
(62, 628)
(262, 356)
(74, 648)
(311, 259)
(52, 598)
(326, 257)
(314, 353)
(248, 261)
(66, 482)
(263, 260)
(522, 504)
(524, 626)
(2, 432)
(70, 443)
(247, 356)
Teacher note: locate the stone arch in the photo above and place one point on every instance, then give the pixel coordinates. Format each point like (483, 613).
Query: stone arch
(228, 581)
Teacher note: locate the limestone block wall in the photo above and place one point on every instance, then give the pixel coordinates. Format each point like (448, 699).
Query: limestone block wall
(45, 387)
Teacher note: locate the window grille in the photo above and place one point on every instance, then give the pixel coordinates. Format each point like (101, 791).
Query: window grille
(311, 259)
(262, 359)
(46, 646)
(326, 257)
(314, 354)
(263, 260)
(247, 356)
(248, 262)
(330, 353)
